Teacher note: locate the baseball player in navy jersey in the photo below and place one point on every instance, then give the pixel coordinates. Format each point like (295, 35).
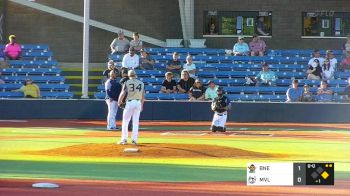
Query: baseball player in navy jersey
(134, 91)
(113, 89)
(220, 106)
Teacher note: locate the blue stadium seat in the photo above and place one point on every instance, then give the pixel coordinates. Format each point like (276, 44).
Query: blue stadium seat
(11, 95)
(342, 75)
(32, 64)
(153, 81)
(36, 79)
(100, 95)
(57, 95)
(150, 73)
(31, 71)
(152, 89)
(35, 47)
(43, 87)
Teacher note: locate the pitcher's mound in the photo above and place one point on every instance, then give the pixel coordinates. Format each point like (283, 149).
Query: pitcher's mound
(152, 150)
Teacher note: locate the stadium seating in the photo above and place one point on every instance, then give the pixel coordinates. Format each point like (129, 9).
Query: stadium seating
(37, 64)
(231, 72)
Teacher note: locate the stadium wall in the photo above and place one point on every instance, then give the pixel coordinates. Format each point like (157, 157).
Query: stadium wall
(159, 19)
(179, 111)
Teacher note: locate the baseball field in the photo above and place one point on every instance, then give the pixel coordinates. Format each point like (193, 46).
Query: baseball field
(175, 158)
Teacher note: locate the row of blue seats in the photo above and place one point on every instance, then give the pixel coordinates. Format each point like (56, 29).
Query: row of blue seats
(232, 97)
(247, 59)
(233, 74)
(242, 81)
(220, 51)
(30, 47)
(43, 87)
(31, 71)
(210, 51)
(239, 67)
(299, 52)
(33, 64)
(36, 79)
(48, 95)
(240, 89)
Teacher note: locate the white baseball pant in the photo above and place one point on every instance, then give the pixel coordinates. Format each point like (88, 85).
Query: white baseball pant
(132, 110)
(112, 113)
(219, 119)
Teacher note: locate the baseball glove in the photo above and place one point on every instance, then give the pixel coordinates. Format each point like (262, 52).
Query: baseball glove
(122, 105)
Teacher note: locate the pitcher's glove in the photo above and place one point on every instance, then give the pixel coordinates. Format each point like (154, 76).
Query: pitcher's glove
(122, 105)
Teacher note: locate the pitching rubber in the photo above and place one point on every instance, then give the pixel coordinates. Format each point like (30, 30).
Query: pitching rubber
(132, 150)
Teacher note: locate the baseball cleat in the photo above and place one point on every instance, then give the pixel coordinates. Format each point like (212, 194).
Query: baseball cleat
(134, 142)
(113, 129)
(123, 142)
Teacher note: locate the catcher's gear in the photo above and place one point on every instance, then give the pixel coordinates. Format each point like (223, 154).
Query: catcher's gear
(220, 104)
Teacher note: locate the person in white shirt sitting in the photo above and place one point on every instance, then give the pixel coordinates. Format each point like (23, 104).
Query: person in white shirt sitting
(316, 55)
(131, 60)
(190, 66)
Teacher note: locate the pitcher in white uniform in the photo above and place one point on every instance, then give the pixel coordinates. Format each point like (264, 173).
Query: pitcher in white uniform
(134, 91)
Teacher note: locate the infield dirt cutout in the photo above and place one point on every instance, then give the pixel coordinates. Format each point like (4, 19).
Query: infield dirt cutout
(152, 150)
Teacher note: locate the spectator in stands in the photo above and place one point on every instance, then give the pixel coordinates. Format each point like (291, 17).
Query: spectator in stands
(257, 46)
(316, 55)
(12, 50)
(120, 45)
(29, 89)
(131, 60)
(136, 43)
(295, 93)
(1, 81)
(261, 27)
(324, 93)
(347, 44)
(168, 85)
(332, 60)
(211, 92)
(315, 71)
(190, 66)
(307, 95)
(197, 91)
(347, 91)
(345, 64)
(327, 70)
(241, 48)
(124, 75)
(174, 65)
(110, 67)
(266, 77)
(185, 83)
(146, 62)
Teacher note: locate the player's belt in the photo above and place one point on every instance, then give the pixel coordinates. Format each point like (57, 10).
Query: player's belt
(222, 114)
(133, 100)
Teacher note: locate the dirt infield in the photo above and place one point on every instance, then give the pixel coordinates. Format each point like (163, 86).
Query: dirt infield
(148, 150)
(97, 187)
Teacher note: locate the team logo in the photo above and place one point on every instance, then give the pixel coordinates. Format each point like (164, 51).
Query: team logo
(252, 168)
(251, 180)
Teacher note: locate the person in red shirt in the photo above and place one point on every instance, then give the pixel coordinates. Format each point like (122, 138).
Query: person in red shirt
(13, 50)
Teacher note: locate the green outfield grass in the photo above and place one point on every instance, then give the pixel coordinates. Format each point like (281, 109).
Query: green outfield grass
(16, 163)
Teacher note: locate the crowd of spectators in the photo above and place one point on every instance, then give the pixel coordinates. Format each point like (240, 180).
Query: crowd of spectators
(181, 77)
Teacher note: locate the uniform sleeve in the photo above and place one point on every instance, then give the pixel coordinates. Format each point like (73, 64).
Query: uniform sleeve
(206, 95)
(108, 87)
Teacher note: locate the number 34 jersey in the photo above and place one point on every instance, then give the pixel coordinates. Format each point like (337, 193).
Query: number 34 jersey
(134, 88)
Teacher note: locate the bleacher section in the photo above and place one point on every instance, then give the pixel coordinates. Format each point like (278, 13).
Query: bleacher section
(37, 64)
(231, 71)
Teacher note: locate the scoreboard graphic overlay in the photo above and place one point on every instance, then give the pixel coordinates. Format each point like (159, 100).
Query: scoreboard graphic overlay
(289, 174)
